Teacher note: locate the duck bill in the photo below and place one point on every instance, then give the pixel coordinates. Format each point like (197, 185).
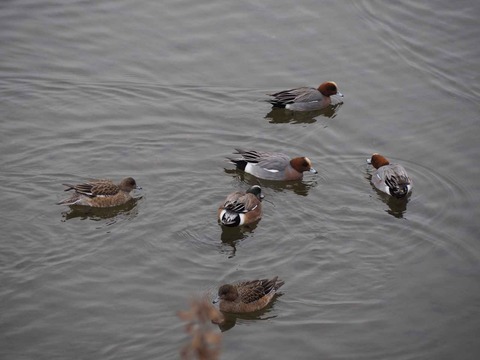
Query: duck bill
(216, 300)
(313, 171)
(339, 94)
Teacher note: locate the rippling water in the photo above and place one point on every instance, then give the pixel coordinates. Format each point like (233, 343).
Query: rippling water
(164, 92)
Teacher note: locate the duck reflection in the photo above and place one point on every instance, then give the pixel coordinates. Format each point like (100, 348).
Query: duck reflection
(396, 207)
(128, 210)
(232, 235)
(283, 116)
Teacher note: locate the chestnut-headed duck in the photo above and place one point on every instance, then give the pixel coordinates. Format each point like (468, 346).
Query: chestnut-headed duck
(100, 193)
(241, 208)
(391, 179)
(247, 296)
(272, 166)
(305, 98)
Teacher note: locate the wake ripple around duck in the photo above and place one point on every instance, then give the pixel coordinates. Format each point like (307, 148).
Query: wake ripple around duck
(359, 260)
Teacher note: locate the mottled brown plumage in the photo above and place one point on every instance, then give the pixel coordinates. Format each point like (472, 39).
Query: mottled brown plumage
(100, 193)
(247, 296)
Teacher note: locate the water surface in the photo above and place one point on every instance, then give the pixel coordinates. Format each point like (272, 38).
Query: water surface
(164, 92)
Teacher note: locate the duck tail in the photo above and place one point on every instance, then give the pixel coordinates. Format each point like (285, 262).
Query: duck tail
(239, 163)
(69, 187)
(278, 283)
(230, 218)
(399, 191)
(398, 188)
(69, 201)
(276, 103)
(272, 285)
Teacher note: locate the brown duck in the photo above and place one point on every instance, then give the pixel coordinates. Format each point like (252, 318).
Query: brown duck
(100, 193)
(241, 208)
(247, 296)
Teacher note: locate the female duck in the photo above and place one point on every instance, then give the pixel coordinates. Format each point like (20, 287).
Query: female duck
(247, 296)
(100, 193)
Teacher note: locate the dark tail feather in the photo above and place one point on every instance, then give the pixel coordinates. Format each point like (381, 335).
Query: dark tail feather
(71, 200)
(276, 103)
(278, 283)
(239, 163)
(69, 187)
(399, 191)
(272, 284)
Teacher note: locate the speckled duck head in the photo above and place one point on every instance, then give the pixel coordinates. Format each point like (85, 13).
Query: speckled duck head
(128, 184)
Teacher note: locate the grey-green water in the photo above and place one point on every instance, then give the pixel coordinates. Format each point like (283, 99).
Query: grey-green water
(163, 92)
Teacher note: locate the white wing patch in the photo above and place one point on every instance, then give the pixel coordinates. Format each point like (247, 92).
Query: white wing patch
(228, 217)
(249, 168)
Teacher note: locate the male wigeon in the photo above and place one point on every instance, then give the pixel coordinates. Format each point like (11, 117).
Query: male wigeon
(241, 208)
(247, 296)
(272, 166)
(100, 193)
(391, 179)
(305, 98)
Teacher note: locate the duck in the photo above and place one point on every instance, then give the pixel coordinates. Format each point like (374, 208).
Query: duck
(100, 193)
(247, 296)
(305, 98)
(391, 179)
(272, 165)
(241, 208)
